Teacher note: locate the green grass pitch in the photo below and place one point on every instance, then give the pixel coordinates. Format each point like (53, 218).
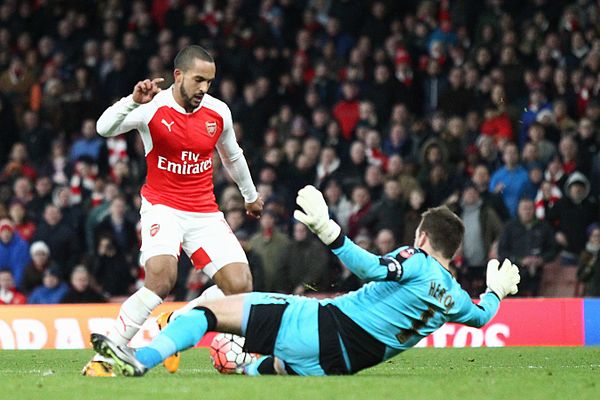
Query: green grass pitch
(502, 373)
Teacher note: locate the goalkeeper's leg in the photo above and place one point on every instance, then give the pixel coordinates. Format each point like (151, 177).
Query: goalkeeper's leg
(186, 330)
(171, 363)
(268, 365)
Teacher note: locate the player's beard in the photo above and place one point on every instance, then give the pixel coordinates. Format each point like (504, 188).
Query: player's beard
(187, 99)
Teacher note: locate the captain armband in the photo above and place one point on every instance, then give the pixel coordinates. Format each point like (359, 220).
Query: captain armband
(394, 268)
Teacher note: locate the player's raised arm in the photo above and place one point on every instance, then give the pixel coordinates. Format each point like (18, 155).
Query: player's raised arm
(120, 117)
(315, 216)
(235, 163)
(501, 281)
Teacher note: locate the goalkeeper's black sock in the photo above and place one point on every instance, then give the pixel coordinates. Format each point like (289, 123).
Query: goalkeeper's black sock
(265, 365)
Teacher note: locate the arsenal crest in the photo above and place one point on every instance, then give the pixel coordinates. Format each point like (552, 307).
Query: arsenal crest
(154, 229)
(211, 128)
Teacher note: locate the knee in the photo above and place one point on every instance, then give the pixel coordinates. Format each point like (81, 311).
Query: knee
(237, 283)
(161, 288)
(161, 276)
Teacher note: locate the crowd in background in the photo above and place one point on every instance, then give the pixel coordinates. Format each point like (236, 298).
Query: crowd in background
(389, 107)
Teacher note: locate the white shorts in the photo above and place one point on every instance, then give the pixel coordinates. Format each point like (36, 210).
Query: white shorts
(205, 237)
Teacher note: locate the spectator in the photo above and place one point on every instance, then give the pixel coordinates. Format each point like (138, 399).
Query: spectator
(354, 170)
(482, 230)
(36, 137)
(385, 241)
(572, 214)
(42, 197)
(434, 83)
(270, 244)
(344, 70)
(361, 204)
(17, 83)
(40, 262)
(89, 144)
(22, 190)
(52, 290)
(254, 261)
(510, 181)
(412, 215)
(8, 291)
(481, 180)
(385, 92)
(456, 99)
(537, 104)
(328, 164)
(123, 231)
(59, 237)
(387, 213)
(112, 273)
(588, 143)
(546, 150)
(589, 263)
(547, 196)
(398, 142)
(373, 180)
(236, 218)
(80, 290)
(438, 188)
(530, 244)
(14, 251)
(306, 263)
(23, 226)
(340, 207)
(346, 110)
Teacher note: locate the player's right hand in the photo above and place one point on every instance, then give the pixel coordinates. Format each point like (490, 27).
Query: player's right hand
(145, 90)
(504, 280)
(315, 214)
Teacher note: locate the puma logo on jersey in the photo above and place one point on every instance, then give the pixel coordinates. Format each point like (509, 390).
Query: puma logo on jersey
(168, 125)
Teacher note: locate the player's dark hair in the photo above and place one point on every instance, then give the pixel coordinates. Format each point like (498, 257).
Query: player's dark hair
(187, 55)
(444, 229)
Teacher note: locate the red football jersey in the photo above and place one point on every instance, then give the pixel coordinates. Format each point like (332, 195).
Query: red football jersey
(179, 148)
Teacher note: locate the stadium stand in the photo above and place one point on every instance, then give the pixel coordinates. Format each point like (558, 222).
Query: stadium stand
(348, 95)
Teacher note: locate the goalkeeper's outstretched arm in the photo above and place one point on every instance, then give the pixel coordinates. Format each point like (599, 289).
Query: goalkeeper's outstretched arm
(315, 216)
(501, 280)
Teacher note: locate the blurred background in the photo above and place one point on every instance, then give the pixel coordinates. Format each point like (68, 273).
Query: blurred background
(389, 107)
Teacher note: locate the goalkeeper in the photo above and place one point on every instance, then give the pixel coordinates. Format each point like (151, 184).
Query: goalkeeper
(411, 294)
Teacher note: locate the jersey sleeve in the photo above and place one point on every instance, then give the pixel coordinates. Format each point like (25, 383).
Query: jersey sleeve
(234, 161)
(368, 266)
(476, 315)
(121, 117)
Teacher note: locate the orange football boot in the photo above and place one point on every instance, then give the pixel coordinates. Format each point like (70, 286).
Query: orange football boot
(171, 363)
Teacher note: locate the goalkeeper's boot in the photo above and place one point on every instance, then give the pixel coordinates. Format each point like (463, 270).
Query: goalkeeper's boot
(98, 368)
(170, 363)
(125, 362)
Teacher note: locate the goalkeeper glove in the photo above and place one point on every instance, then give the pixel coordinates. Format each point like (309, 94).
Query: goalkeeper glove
(316, 214)
(502, 281)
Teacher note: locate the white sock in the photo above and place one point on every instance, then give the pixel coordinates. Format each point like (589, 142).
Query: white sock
(212, 293)
(134, 312)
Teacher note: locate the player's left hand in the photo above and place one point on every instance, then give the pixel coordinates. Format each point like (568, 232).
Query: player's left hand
(255, 208)
(504, 280)
(315, 214)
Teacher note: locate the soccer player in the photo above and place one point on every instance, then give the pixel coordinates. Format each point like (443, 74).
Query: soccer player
(412, 294)
(180, 127)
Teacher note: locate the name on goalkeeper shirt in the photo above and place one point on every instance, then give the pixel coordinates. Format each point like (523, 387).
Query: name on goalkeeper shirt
(189, 164)
(439, 292)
